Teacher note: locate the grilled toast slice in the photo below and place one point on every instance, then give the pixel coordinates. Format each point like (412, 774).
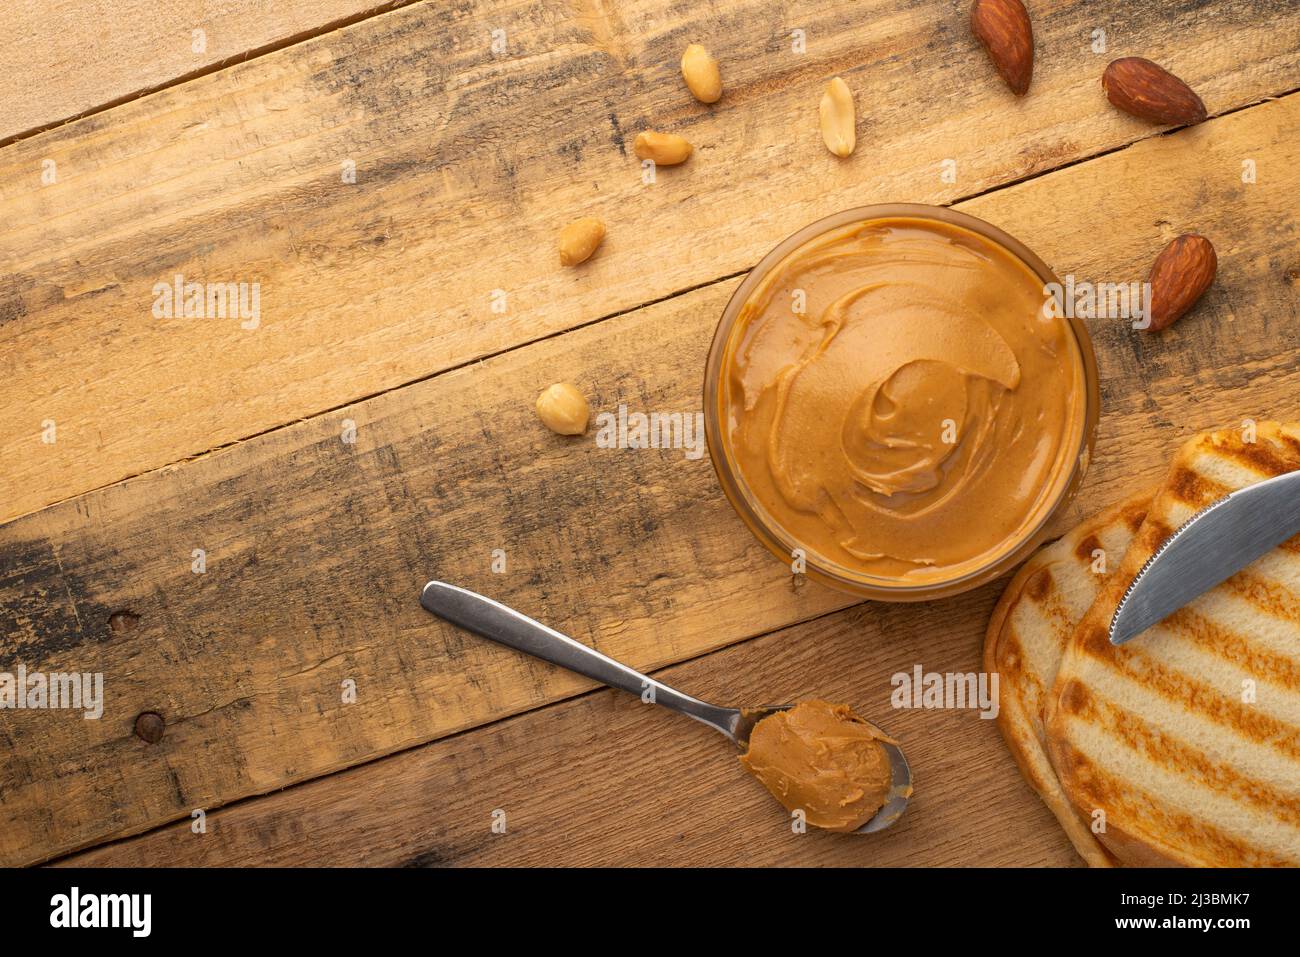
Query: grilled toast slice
(1186, 740)
(1027, 635)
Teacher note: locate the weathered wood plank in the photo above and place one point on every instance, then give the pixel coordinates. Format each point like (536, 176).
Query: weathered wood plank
(319, 583)
(467, 163)
(88, 54)
(317, 549)
(604, 780)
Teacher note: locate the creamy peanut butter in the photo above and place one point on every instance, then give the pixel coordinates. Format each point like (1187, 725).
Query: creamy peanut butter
(823, 759)
(898, 401)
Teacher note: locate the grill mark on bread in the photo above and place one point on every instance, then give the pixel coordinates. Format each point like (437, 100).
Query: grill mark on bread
(1030, 689)
(1130, 809)
(1008, 658)
(1259, 457)
(1125, 803)
(1205, 700)
(1176, 756)
(1268, 596)
(1179, 688)
(1232, 647)
(1083, 551)
(1076, 773)
(1094, 638)
(1189, 486)
(1074, 698)
(1153, 535)
(1054, 609)
(1039, 584)
(1134, 514)
(1040, 587)
(1059, 623)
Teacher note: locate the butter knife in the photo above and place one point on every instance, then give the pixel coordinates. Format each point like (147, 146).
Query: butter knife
(1210, 547)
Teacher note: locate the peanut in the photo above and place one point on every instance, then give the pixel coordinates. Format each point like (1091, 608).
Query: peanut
(666, 149)
(563, 409)
(700, 71)
(579, 240)
(839, 123)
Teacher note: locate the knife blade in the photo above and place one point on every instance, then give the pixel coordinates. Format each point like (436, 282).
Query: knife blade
(1207, 549)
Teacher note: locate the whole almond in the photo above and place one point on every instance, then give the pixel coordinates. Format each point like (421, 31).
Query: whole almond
(700, 71)
(666, 149)
(1151, 92)
(1003, 27)
(838, 121)
(579, 240)
(1180, 275)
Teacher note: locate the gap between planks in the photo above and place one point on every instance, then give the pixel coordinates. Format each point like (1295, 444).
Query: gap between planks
(254, 53)
(596, 689)
(486, 356)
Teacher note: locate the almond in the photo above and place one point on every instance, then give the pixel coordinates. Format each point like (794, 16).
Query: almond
(1180, 275)
(579, 240)
(666, 149)
(1151, 92)
(1003, 27)
(700, 71)
(838, 120)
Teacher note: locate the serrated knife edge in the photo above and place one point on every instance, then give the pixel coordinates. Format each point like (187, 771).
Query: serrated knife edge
(1155, 556)
(1247, 539)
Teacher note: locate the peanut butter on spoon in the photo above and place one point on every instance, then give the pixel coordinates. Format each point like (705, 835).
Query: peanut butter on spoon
(823, 759)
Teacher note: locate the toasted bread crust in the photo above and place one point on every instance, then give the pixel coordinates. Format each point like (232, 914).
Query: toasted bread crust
(1156, 734)
(1021, 683)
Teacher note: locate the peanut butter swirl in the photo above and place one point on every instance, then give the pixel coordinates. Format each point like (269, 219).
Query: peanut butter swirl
(897, 400)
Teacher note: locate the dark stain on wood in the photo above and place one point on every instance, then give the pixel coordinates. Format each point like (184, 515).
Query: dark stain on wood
(46, 609)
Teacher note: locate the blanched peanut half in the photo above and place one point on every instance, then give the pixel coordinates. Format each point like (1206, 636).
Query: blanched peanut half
(700, 71)
(579, 240)
(839, 123)
(666, 149)
(563, 409)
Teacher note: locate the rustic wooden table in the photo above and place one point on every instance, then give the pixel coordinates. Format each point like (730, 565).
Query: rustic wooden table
(183, 510)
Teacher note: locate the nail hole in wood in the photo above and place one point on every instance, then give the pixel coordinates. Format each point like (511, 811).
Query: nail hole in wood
(149, 727)
(122, 621)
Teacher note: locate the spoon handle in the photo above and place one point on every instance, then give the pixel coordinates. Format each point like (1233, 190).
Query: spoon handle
(495, 621)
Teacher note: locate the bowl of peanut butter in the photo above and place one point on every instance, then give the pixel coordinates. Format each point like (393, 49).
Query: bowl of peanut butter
(894, 407)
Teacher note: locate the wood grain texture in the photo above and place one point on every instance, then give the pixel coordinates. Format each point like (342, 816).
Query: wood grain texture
(318, 582)
(467, 164)
(91, 53)
(317, 549)
(606, 780)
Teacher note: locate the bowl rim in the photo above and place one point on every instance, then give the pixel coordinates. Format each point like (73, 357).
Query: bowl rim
(775, 539)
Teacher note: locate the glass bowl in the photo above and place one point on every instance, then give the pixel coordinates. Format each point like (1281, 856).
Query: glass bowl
(781, 543)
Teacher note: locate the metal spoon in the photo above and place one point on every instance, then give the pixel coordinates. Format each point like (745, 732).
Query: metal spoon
(495, 621)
